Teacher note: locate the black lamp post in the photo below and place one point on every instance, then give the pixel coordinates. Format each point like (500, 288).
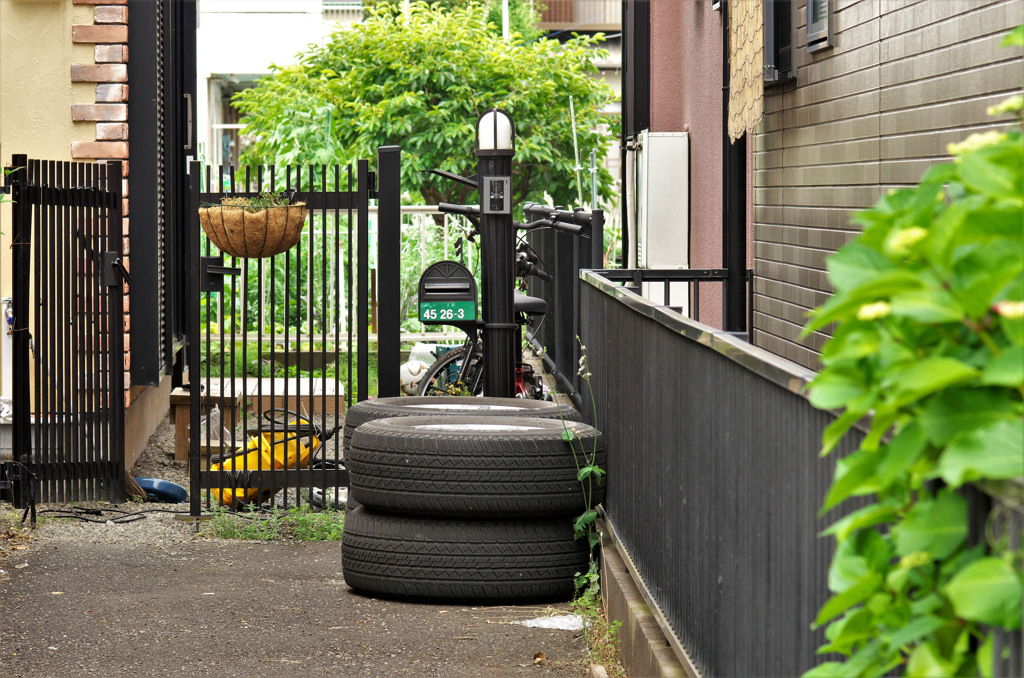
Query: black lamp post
(495, 146)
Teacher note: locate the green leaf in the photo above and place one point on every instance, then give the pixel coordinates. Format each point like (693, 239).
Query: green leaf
(926, 605)
(1014, 38)
(836, 387)
(918, 628)
(841, 602)
(826, 670)
(835, 431)
(1006, 369)
(985, 657)
(584, 520)
(588, 471)
(994, 451)
(959, 410)
(855, 475)
(568, 436)
(1013, 328)
(938, 526)
(851, 341)
(901, 453)
(849, 631)
(844, 306)
(927, 306)
(926, 661)
(926, 377)
(987, 591)
(854, 264)
(995, 171)
(873, 514)
(857, 557)
(986, 267)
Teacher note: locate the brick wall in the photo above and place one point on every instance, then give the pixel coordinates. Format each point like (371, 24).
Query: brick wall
(108, 112)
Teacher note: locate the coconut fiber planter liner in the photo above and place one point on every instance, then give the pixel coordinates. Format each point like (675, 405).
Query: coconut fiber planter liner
(240, 232)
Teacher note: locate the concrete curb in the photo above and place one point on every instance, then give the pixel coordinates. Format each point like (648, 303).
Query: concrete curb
(643, 648)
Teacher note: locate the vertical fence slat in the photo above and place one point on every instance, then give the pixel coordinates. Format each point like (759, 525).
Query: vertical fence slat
(363, 277)
(75, 448)
(288, 315)
(741, 519)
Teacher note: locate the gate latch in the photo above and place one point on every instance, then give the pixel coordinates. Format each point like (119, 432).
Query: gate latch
(112, 265)
(212, 272)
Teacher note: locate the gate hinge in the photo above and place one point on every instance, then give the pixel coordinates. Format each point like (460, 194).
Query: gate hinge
(371, 181)
(212, 272)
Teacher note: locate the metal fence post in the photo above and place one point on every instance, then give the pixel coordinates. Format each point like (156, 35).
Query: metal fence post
(21, 282)
(115, 329)
(363, 279)
(389, 267)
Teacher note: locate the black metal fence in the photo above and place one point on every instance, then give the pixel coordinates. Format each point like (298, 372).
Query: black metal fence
(67, 331)
(281, 346)
(563, 256)
(714, 483)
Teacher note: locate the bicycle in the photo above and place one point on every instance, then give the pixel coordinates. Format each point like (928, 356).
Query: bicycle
(461, 370)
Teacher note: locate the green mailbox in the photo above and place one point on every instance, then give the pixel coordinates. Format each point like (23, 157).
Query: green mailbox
(447, 295)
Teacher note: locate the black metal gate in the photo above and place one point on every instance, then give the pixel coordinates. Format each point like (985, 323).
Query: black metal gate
(279, 347)
(67, 330)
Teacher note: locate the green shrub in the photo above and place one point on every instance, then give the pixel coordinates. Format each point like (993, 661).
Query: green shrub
(929, 347)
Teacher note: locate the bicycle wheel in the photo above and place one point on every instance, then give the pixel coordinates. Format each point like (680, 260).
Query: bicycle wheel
(443, 377)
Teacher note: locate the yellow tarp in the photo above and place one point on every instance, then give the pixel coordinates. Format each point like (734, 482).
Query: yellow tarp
(277, 450)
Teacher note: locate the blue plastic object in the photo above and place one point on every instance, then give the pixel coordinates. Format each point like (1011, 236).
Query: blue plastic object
(162, 490)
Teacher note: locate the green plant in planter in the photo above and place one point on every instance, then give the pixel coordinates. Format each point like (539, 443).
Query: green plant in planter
(929, 347)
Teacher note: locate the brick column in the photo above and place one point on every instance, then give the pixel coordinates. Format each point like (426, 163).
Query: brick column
(109, 70)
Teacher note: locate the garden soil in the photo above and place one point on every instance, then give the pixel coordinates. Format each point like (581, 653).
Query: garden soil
(153, 597)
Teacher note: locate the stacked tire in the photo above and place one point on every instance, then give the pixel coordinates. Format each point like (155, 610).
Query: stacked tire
(466, 507)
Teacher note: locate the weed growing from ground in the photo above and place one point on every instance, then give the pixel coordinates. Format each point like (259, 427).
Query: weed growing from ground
(600, 634)
(301, 522)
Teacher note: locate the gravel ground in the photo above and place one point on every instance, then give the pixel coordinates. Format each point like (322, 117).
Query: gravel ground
(153, 597)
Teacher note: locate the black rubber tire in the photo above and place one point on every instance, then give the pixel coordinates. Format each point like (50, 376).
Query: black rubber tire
(410, 406)
(435, 382)
(495, 561)
(473, 467)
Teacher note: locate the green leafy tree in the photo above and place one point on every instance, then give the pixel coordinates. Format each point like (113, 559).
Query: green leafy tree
(523, 14)
(929, 346)
(420, 79)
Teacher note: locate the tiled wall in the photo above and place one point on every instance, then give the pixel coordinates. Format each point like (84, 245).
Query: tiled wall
(902, 79)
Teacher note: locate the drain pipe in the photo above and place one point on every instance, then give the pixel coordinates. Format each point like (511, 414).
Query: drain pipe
(734, 203)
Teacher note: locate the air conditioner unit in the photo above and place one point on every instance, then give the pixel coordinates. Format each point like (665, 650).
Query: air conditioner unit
(663, 209)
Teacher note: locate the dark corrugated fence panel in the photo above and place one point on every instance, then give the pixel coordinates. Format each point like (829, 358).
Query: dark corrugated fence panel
(714, 485)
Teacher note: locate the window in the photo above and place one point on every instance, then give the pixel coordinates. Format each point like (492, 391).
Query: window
(778, 41)
(818, 19)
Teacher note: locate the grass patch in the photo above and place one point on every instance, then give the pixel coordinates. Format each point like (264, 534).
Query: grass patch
(600, 634)
(301, 523)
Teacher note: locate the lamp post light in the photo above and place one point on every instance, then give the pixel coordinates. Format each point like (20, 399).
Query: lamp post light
(495, 146)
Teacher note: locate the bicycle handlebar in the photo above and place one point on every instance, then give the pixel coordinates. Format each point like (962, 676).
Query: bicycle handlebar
(525, 267)
(578, 216)
(473, 212)
(465, 210)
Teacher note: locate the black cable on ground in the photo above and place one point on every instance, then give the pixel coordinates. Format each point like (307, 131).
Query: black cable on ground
(82, 513)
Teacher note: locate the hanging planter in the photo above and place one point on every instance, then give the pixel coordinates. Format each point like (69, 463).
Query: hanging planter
(253, 227)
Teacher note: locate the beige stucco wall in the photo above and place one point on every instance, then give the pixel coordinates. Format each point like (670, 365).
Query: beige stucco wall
(36, 92)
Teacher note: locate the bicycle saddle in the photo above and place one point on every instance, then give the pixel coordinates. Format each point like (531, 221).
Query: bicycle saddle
(529, 305)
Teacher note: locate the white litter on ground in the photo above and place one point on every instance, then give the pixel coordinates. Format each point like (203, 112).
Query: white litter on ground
(565, 622)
